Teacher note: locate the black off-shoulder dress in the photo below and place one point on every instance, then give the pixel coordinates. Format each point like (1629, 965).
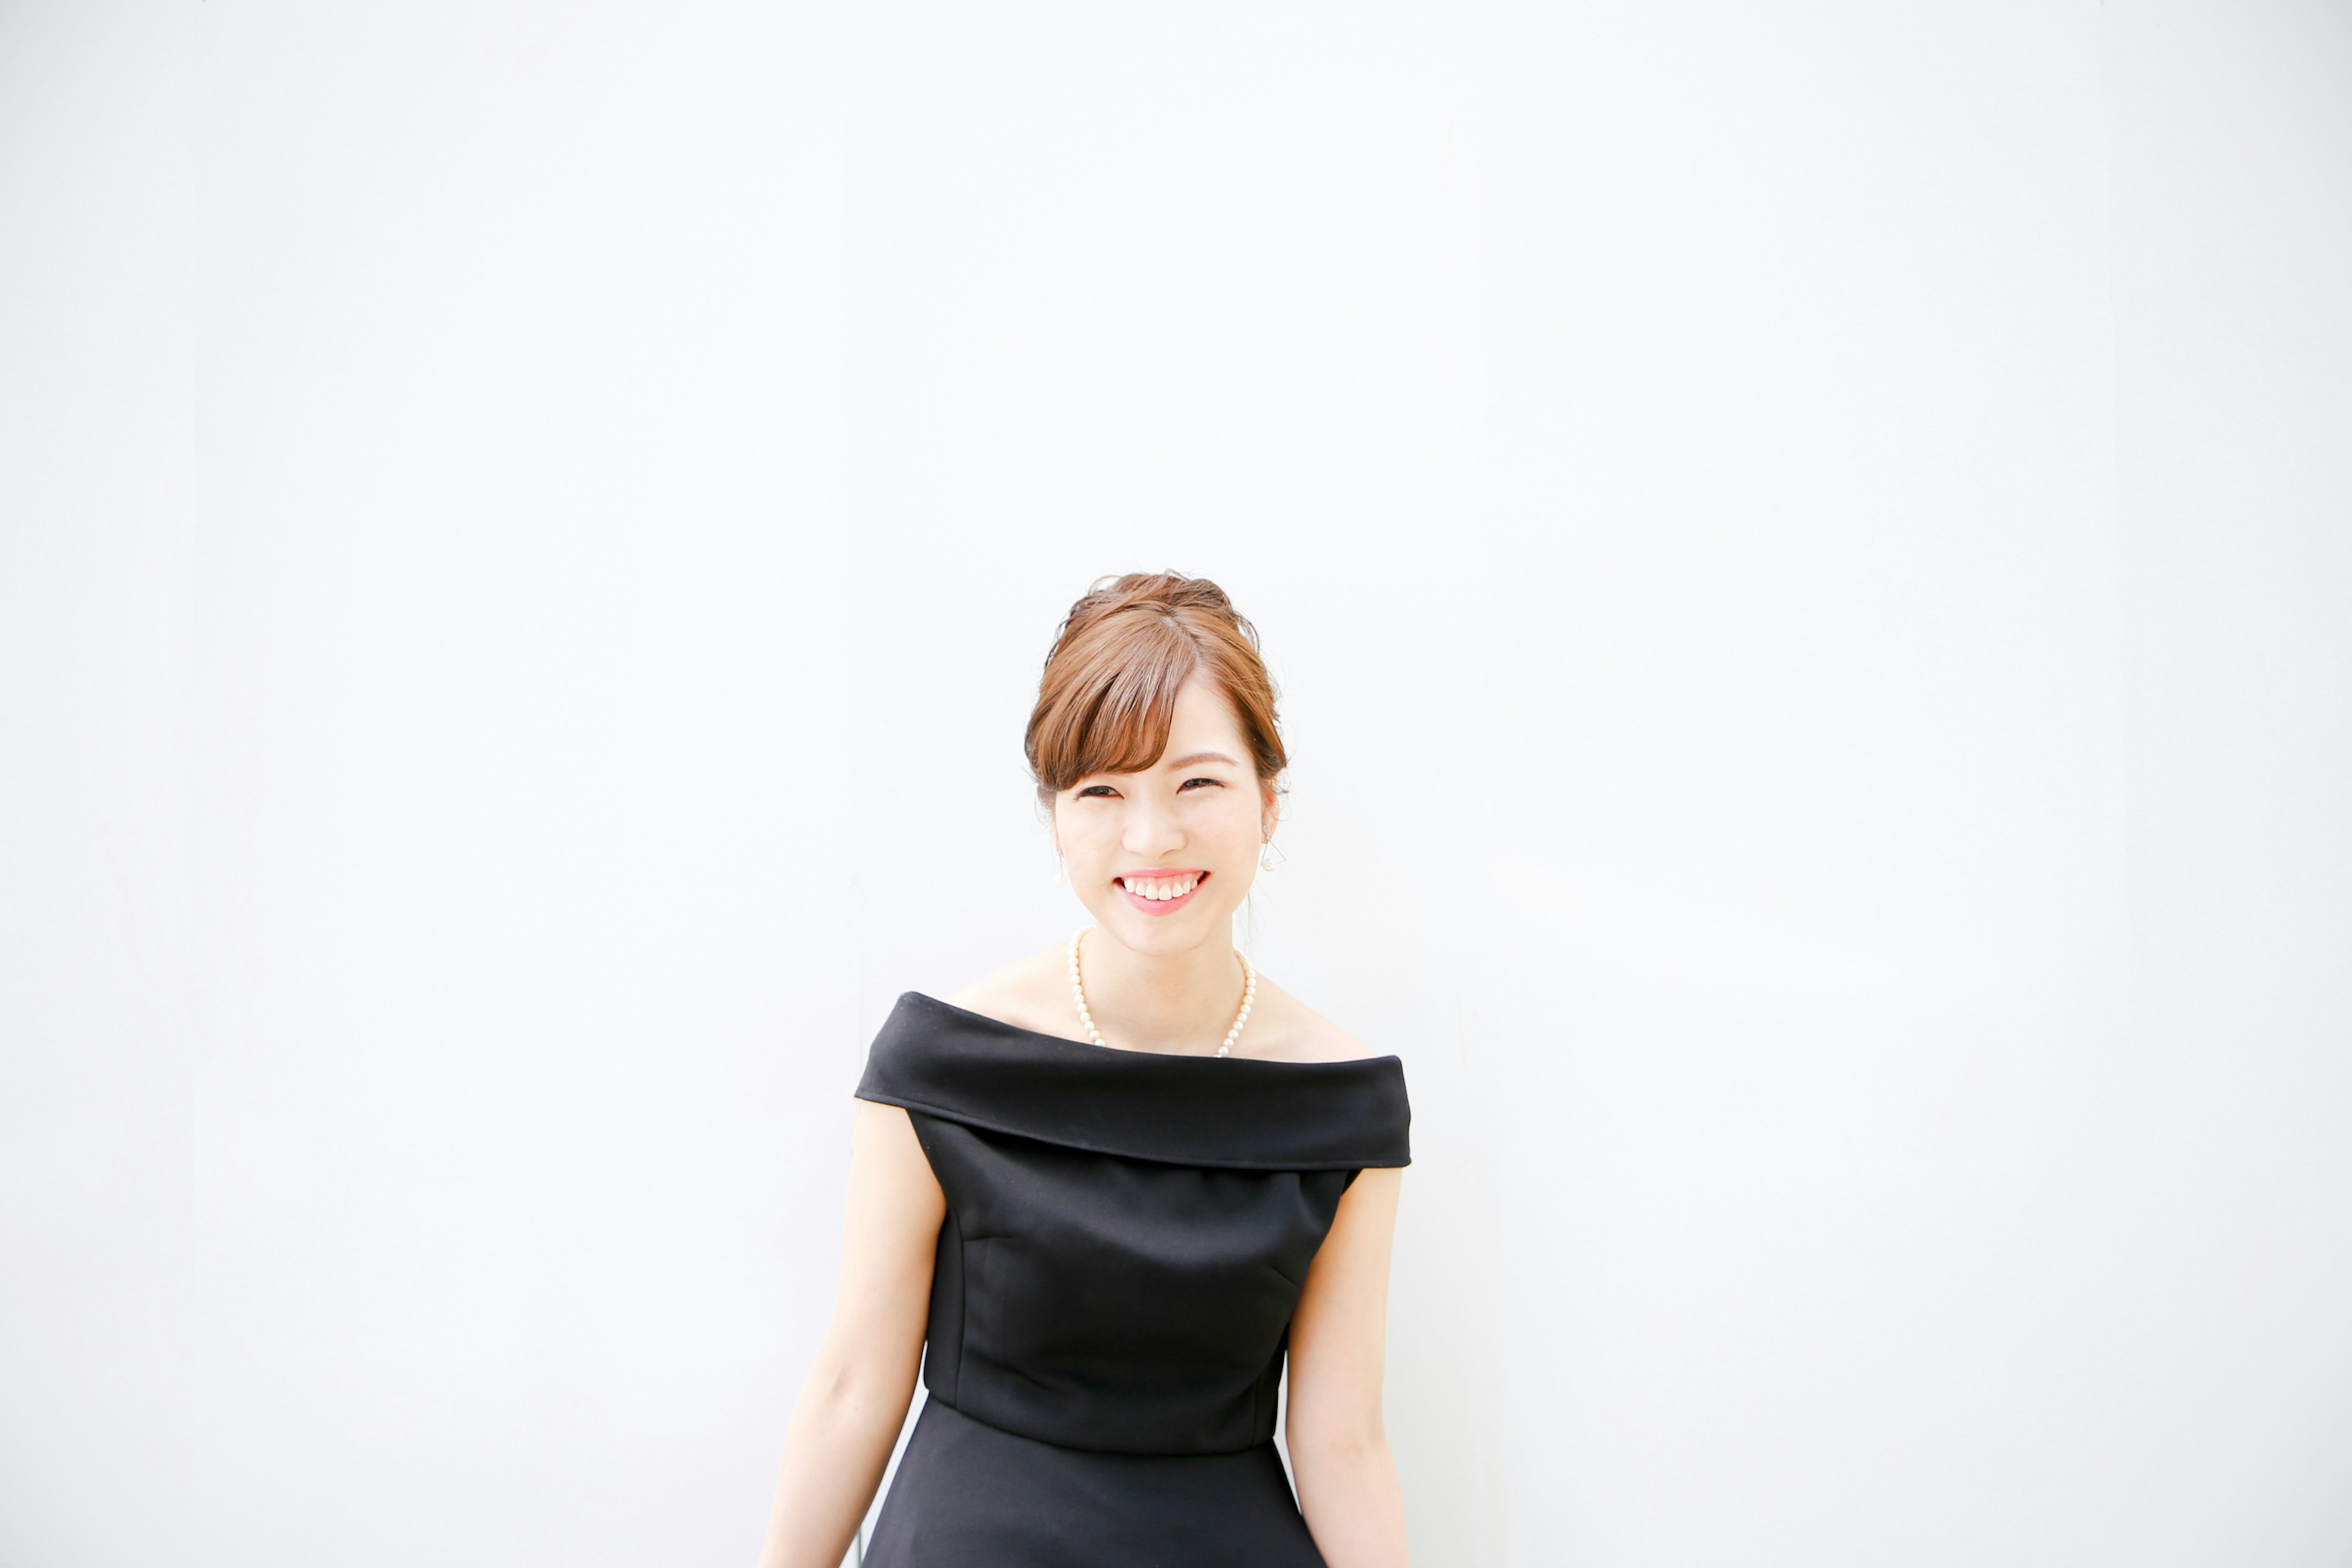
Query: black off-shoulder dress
(1126, 1235)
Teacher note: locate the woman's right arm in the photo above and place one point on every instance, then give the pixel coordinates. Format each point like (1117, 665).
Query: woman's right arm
(856, 1397)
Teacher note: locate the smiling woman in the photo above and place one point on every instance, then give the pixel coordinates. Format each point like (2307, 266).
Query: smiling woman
(1107, 1195)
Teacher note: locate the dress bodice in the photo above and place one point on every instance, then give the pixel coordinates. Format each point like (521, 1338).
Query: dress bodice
(1127, 1233)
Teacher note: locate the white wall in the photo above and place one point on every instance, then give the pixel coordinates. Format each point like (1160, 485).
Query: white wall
(99, 978)
(1810, 557)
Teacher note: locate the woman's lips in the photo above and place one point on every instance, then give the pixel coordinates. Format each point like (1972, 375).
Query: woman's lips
(1168, 883)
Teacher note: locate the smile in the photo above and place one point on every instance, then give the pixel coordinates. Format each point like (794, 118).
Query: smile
(1160, 892)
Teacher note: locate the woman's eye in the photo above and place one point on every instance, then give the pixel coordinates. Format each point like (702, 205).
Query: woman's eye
(1102, 790)
(1188, 783)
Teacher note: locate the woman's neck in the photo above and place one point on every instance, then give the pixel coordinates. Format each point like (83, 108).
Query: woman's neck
(1168, 1003)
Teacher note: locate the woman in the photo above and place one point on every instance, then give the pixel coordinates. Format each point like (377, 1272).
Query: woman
(1109, 1186)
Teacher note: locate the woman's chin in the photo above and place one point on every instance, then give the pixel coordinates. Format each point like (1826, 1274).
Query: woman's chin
(1159, 933)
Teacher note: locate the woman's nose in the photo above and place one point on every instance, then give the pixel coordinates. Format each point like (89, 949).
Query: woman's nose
(1151, 832)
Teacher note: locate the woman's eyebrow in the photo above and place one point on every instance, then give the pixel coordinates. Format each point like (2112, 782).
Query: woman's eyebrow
(1204, 757)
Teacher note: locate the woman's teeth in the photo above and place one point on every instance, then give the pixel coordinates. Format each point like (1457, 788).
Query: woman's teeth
(1160, 888)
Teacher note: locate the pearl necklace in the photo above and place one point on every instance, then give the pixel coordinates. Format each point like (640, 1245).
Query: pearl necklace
(1086, 1019)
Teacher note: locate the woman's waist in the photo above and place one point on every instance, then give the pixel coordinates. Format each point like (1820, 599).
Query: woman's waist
(1104, 1423)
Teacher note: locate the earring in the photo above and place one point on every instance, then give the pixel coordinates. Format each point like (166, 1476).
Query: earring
(1061, 870)
(1265, 864)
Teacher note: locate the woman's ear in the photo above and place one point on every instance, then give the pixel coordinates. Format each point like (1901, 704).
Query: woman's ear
(1270, 817)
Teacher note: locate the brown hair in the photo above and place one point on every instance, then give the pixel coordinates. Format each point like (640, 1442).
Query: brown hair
(1109, 694)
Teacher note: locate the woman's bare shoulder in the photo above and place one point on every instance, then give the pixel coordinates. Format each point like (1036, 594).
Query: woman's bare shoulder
(1033, 993)
(1283, 1029)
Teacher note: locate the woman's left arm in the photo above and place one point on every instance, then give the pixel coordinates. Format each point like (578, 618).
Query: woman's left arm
(1338, 1339)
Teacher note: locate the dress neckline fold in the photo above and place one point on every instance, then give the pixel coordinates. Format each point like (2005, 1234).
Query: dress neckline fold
(1239, 1113)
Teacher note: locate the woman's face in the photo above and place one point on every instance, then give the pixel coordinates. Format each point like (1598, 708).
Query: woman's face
(1163, 857)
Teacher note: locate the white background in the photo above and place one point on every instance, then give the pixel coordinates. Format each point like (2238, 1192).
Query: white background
(1809, 552)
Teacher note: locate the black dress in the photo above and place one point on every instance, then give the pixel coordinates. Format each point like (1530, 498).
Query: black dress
(1126, 1235)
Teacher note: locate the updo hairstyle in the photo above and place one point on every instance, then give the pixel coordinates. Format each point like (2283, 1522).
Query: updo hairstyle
(1108, 694)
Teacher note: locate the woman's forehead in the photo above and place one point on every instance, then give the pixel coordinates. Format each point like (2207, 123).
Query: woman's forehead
(1202, 721)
